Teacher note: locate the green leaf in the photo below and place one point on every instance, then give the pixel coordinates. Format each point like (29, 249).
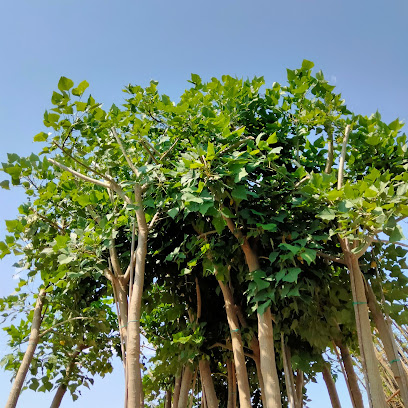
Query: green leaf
(309, 255)
(56, 98)
(396, 234)
(219, 224)
(80, 89)
(307, 64)
(239, 193)
(240, 175)
(173, 212)
(273, 256)
(227, 212)
(210, 151)
(5, 184)
(268, 227)
(65, 84)
(195, 79)
(273, 138)
(327, 214)
(294, 249)
(41, 137)
(292, 275)
(263, 306)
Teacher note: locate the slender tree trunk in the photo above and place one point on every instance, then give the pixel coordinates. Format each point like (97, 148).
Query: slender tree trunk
(388, 341)
(59, 395)
(375, 393)
(287, 369)
(299, 388)
(205, 373)
(134, 382)
(268, 364)
(234, 386)
(351, 379)
(168, 399)
(254, 345)
(237, 348)
(266, 344)
(230, 385)
(331, 387)
(185, 387)
(176, 394)
(28, 356)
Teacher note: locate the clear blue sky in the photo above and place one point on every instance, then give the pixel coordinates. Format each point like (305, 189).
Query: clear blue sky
(360, 46)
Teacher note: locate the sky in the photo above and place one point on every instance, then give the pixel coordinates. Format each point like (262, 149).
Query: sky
(360, 46)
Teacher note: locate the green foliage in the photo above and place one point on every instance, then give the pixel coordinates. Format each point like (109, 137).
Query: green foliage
(232, 165)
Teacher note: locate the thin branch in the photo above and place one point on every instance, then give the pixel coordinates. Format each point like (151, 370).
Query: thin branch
(330, 152)
(129, 162)
(363, 250)
(169, 150)
(114, 258)
(65, 321)
(388, 242)
(154, 219)
(147, 147)
(44, 218)
(108, 274)
(302, 181)
(343, 157)
(198, 293)
(331, 257)
(235, 145)
(204, 234)
(132, 261)
(80, 175)
(228, 347)
(80, 163)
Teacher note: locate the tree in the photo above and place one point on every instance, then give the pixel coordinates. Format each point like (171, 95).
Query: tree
(229, 227)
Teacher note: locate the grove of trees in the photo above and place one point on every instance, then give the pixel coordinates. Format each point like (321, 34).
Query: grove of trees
(248, 234)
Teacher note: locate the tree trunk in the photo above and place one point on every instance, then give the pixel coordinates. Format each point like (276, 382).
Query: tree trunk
(388, 341)
(168, 399)
(234, 386)
(59, 395)
(375, 392)
(268, 364)
(331, 386)
(265, 337)
(237, 348)
(185, 387)
(254, 345)
(299, 388)
(28, 356)
(230, 385)
(176, 394)
(355, 393)
(134, 379)
(287, 369)
(205, 373)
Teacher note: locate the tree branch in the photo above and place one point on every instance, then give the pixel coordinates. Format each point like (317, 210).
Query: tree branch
(80, 175)
(129, 162)
(65, 321)
(330, 152)
(169, 150)
(388, 242)
(228, 347)
(331, 258)
(80, 163)
(343, 157)
(44, 218)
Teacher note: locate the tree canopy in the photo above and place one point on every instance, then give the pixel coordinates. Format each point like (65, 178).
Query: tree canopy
(246, 232)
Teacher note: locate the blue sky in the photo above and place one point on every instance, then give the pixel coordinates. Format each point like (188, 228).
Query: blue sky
(360, 46)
